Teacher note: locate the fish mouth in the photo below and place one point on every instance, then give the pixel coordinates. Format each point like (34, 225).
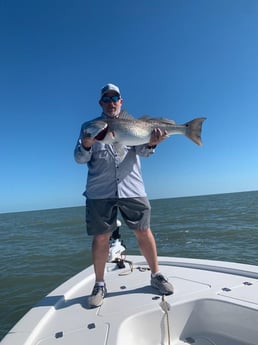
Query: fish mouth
(101, 135)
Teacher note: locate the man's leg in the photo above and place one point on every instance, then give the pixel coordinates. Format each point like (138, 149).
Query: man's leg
(101, 215)
(100, 249)
(148, 248)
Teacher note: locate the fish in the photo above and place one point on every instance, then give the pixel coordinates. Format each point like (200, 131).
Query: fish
(130, 131)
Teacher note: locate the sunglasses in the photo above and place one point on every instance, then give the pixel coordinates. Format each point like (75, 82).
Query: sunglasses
(107, 99)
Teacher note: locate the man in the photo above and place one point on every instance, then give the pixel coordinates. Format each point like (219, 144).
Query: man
(115, 182)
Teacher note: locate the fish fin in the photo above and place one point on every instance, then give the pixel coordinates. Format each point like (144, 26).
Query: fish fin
(125, 115)
(147, 118)
(194, 129)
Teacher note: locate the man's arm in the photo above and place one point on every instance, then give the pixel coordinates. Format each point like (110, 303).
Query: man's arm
(83, 151)
(147, 149)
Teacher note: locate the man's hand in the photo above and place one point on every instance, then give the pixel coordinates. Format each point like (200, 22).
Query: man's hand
(87, 142)
(157, 137)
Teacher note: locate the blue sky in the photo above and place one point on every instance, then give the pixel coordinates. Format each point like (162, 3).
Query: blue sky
(174, 58)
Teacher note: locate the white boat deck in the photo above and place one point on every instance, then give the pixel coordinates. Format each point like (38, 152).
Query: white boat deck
(214, 303)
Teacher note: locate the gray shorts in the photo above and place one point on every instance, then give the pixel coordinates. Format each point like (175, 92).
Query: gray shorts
(101, 214)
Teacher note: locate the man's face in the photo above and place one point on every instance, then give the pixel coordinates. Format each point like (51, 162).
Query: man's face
(111, 107)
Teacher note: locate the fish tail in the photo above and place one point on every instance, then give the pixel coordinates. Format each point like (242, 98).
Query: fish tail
(194, 129)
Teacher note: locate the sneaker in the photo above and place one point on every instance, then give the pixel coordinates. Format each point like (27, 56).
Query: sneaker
(97, 295)
(162, 284)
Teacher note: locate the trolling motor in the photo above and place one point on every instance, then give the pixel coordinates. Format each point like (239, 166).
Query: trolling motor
(117, 248)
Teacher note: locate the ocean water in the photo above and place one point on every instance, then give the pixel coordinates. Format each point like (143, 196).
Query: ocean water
(39, 250)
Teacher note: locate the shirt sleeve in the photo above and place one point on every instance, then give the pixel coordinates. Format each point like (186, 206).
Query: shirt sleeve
(144, 150)
(81, 155)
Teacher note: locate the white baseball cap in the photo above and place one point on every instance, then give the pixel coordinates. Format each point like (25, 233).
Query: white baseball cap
(110, 87)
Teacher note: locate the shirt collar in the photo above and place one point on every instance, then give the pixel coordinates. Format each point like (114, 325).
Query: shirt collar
(105, 116)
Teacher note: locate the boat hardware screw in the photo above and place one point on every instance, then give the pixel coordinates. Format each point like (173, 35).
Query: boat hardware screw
(59, 335)
(91, 325)
(155, 298)
(226, 289)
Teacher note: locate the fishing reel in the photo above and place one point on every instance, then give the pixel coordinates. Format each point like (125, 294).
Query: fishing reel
(117, 248)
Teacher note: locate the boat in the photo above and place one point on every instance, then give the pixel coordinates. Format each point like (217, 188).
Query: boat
(214, 303)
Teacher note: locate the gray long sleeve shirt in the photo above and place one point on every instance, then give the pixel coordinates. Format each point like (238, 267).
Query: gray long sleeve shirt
(110, 173)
